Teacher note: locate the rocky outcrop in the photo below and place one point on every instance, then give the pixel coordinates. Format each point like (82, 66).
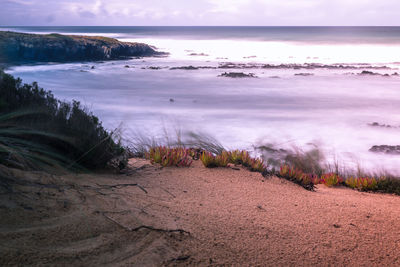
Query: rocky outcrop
(237, 75)
(392, 150)
(304, 74)
(22, 48)
(377, 124)
(305, 66)
(192, 67)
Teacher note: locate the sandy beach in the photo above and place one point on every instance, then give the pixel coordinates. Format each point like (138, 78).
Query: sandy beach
(153, 216)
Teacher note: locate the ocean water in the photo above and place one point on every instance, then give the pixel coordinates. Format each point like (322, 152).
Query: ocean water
(308, 88)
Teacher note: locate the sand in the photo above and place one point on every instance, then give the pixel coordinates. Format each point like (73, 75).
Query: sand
(152, 216)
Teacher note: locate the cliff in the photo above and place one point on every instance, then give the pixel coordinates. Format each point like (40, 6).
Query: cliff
(22, 48)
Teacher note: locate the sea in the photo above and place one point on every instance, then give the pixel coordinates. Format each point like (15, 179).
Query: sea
(332, 88)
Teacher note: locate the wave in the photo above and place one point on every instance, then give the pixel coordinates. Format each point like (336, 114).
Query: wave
(274, 52)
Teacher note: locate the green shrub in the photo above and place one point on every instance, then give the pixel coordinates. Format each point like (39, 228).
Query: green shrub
(222, 159)
(235, 157)
(71, 130)
(208, 160)
(246, 159)
(388, 185)
(17, 151)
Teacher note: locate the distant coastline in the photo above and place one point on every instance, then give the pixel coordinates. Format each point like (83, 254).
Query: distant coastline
(20, 48)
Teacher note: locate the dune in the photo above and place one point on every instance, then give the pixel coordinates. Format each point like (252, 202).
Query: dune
(153, 216)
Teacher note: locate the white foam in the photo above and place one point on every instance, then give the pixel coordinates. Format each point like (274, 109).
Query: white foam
(274, 52)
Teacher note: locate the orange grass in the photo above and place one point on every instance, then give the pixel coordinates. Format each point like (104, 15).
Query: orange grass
(296, 175)
(179, 157)
(362, 183)
(208, 160)
(257, 165)
(222, 159)
(331, 179)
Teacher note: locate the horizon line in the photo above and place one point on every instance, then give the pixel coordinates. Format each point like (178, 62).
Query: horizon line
(272, 26)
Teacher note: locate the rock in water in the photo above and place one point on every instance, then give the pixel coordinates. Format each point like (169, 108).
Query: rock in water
(392, 150)
(237, 75)
(21, 47)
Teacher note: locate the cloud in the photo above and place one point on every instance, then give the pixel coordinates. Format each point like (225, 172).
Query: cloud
(21, 2)
(228, 6)
(86, 14)
(200, 12)
(50, 18)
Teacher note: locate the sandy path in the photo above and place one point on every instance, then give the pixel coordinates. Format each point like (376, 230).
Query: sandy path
(238, 217)
(234, 218)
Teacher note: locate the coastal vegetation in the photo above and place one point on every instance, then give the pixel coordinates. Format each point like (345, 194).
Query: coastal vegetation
(211, 161)
(179, 157)
(38, 131)
(303, 169)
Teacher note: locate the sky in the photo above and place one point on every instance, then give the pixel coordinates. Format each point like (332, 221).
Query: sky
(199, 12)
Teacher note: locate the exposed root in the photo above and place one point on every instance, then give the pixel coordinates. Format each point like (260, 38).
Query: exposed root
(122, 185)
(180, 258)
(166, 191)
(181, 231)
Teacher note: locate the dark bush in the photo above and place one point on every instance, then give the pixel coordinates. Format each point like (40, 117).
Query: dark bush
(70, 129)
(389, 185)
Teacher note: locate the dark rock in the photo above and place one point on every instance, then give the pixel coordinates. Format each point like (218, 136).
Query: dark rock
(306, 66)
(192, 67)
(237, 66)
(376, 124)
(118, 163)
(171, 100)
(184, 68)
(126, 66)
(392, 150)
(198, 54)
(23, 48)
(304, 74)
(237, 75)
(365, 72)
